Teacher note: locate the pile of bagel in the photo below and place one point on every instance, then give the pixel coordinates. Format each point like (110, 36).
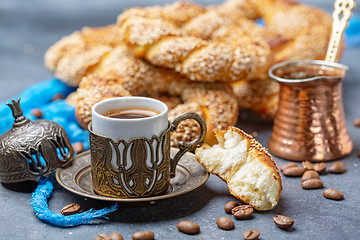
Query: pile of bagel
(210, 60)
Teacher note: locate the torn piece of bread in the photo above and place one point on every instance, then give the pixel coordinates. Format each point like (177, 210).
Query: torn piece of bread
(248, 169)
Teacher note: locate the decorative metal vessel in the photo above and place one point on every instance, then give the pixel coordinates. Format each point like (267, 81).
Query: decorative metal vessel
(140, 167)
(310, 123)
(31, 149)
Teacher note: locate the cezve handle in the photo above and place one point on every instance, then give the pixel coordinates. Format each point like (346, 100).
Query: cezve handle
(342, 13)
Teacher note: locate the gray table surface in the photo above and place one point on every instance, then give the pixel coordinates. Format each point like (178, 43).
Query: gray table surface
(28, 28)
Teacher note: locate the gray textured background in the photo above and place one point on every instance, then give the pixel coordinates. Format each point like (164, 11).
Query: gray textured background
(28, 28)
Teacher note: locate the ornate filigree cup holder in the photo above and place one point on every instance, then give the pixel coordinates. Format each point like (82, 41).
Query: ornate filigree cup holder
(140, 167)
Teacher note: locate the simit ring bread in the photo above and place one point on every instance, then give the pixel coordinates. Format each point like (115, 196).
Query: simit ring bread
(248, 169)
(120, 73)
(290, 31)
(214, 28)
(164, 45)
(117, 72)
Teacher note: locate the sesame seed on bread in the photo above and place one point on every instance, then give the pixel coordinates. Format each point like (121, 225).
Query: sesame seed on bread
(248, 169)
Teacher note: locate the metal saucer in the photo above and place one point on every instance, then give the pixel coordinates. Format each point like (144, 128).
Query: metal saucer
(190, 174)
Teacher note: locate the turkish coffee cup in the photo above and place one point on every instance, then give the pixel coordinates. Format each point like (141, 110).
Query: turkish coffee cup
(130, 146)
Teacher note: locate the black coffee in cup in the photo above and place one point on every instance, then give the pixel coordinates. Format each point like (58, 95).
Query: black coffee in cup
(130, 113)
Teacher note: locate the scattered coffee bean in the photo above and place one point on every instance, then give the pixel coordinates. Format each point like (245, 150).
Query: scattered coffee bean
(70, 209)
(320, 168)
(116, 236)
(251, 234)
(225, 223)
(313, 183)
(37, 113)
(283, 222)
(229, 206)
(294, 172)
(57, 96)
(188, 227)
(102, 237)
(337, 167)
(242, 211)
(143, 235)
(78, 147)
(357, 122)
(307, 165)
(288, 165)
(333, 194)
(358, 154)
(309, 175)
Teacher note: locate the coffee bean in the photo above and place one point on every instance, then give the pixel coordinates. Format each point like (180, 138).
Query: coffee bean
(225, 223)
(333, 194)
(288, 165)
(229, 206)
(102, 237)
(358, 154)
(37, 113)
(116, 236)
(307, 165)
(294, 172)
(357, 122)
(320, 168)
(78, 147)
(283, 222)
(70, 209)
(143, 235)
(337, 167)
(188, 227)
(313, 183)
(251, 234)
(57, 96)
(242, 211)
(309, 175)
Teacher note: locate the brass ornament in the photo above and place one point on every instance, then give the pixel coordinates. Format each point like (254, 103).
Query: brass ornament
(31, 149)
(310, 122)
(140, 167)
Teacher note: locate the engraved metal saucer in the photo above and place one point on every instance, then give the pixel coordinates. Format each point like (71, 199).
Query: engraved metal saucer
(190, 174)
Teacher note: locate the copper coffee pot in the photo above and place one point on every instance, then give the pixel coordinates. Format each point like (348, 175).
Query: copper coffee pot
(310, 122)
